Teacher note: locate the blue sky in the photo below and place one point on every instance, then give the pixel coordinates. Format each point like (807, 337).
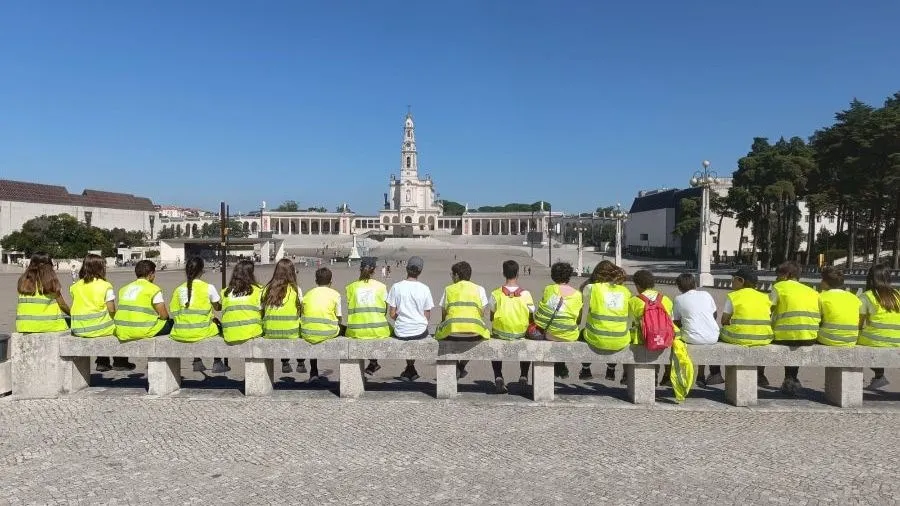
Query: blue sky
(581, 103)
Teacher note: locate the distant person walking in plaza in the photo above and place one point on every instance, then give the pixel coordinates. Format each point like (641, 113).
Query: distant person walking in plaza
(41, 306)
(192, 308)
(695, 313)
(463, 305)
(367, 308)
(93, 308)
(879, 317)
(559, 310)
(511, 312)
(142, 311)
(409, 305)
(320, 317)
(281, 301)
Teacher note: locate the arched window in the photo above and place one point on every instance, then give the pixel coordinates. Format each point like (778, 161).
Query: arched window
(408, 162)
(409, 134)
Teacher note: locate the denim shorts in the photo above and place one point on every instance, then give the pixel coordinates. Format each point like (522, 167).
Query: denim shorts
(423, 335)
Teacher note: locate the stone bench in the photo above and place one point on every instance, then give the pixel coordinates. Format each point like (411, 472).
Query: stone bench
(45, 365)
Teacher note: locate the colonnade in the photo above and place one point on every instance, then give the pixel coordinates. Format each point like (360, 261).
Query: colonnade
(306, 226)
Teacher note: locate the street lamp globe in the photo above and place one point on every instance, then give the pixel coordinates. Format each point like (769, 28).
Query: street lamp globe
(705, 164)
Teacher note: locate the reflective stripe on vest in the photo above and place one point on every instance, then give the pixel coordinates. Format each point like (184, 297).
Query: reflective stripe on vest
(565, 324)
(366, 310)
(463, 306)
(192, 323)
(282, 322)
(319, 321)
(136, 317)
(511, 314)
(90, 317)
(796, 312)
(607, 322)
(883, 327)
(39, 313)
(750, 323)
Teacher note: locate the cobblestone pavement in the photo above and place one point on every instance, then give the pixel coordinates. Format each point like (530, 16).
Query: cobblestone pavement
(115, 448)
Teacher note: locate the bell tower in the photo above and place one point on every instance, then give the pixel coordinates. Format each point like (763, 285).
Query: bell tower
(409, 158)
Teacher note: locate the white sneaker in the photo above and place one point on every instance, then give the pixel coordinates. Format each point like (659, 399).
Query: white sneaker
(878, 382)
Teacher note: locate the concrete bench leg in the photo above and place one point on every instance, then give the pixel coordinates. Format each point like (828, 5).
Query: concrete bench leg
(259, 376)
(844, 386)
(641, 383)
(543, 384)
(351, 376)
(76, 374)
(163, 375)
(740, 385)
(37, 370)
(446, 379)
(5, 377)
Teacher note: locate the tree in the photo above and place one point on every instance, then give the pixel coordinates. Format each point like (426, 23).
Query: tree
(235, 230)
(452, 208)
(342, 208)
(320, 209)
(63, 236)
(167, 232)
(288, 206)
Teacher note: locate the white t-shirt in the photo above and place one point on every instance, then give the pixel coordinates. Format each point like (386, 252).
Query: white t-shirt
(492, 303)
(481, 295)
(110, 295)
(411, 299)
(213, 294)
(867, 308)
(696, 310)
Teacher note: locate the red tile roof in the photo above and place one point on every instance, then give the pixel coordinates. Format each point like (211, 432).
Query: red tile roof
(20, 191)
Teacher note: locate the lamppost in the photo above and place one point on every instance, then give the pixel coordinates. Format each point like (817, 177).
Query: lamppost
(619, 216)
(580, 227)
(704, 179)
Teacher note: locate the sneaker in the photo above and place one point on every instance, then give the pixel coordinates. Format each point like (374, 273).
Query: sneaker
(610, 374)
(103, 367)
(315, 379)
(219, 367)
(301, 367)
(715, 379)
(585, 374)
(666, 381)
(372, 368)
(762, 380)
(286, 367)
(124, 366)
(561, 371)
(523, 381)
(199, 366)
(877, 382)
(410, 374)
(461, 372)
(500, 386)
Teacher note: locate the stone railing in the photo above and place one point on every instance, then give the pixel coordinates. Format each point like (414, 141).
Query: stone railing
(46, 365)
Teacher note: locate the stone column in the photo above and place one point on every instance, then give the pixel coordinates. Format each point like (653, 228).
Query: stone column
(320, 226)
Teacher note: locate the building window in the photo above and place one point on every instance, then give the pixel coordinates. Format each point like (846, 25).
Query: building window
(409, 134)
(645, 237)
(408, 162)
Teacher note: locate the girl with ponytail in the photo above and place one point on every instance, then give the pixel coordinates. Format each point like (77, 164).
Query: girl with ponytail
(192, 308)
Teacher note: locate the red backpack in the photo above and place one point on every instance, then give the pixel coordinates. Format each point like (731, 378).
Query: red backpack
(656, 325)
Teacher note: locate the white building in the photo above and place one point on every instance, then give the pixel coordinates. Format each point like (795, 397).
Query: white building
(22, 201)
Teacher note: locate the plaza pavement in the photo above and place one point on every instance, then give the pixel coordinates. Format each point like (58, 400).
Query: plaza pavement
(111, 444)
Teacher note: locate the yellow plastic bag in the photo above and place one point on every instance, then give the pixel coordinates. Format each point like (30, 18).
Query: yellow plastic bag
(682, 370)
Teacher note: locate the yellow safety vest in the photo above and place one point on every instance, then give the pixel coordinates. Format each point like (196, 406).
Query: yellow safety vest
(90, 316)
(565, 324)
(366, 310)
(840, 318)
(607, 323)
(136, 318)
(751, 322)
(636, 308)
(464, 310)
(511, 314)
(193, 323)
(797, 314)
(883, 327)
(283, 322)
(319, 321)
(241, 316)
(39, 313)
